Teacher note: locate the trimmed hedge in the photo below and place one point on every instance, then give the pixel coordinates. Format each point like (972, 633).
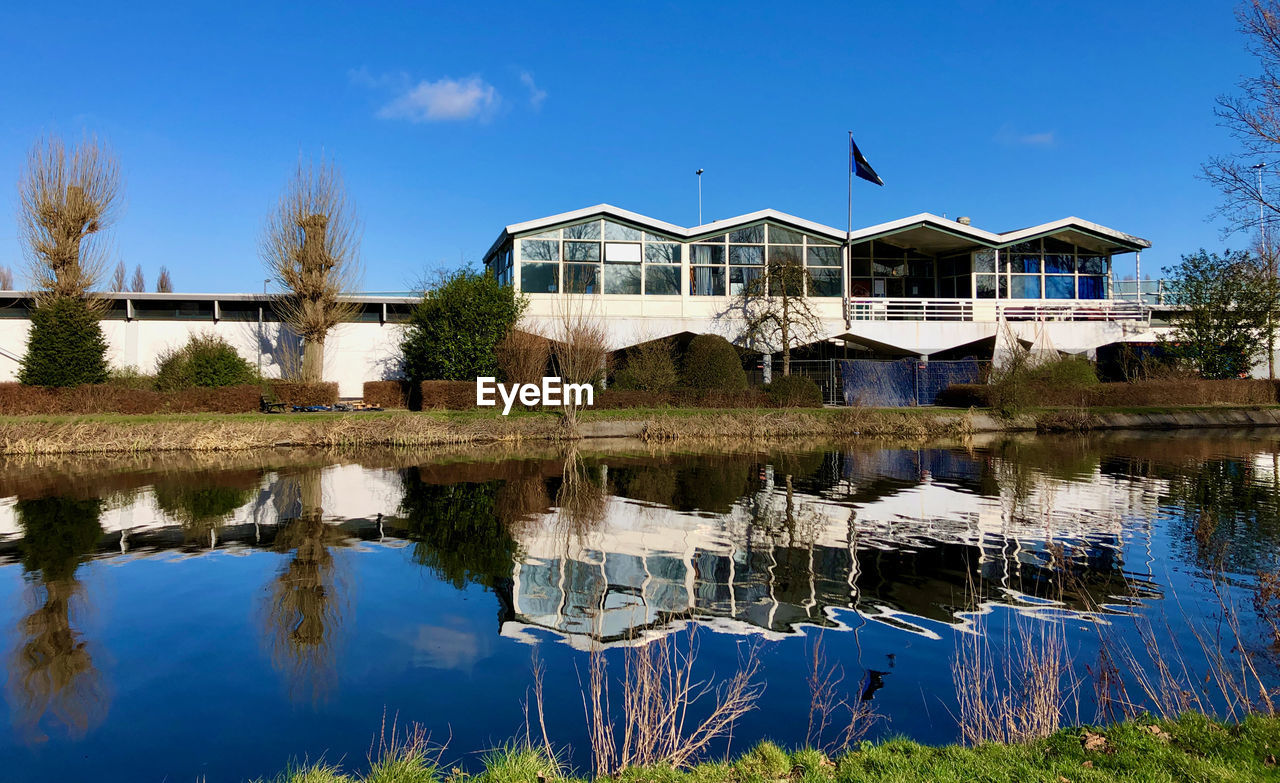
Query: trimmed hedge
(19, 400)
(448, 395)
(682, 398)
(387, 394)
(299, 393)
(1127, 395)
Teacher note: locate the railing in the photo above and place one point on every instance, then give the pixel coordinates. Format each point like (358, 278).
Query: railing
(990, 310)
(1151, 292)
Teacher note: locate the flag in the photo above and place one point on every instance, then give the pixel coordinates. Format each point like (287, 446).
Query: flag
(861, 168)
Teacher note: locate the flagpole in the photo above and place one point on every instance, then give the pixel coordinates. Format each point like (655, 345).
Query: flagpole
(848, 240)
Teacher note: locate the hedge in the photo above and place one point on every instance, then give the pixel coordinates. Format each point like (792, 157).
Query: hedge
(17, 399)
(298, 393)
(1133, 395)
(449, 395)
(461, 395)
(387, 394)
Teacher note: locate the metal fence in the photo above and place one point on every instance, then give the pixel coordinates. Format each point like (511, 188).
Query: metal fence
(879, 383)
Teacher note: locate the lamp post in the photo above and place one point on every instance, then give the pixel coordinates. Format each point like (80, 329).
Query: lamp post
(1271, 266)
(699, 174)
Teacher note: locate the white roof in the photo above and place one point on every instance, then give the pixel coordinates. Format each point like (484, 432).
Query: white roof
(922, 220)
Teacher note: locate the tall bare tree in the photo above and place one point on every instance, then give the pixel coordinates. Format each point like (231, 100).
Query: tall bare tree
(164, 283)
(6, 278)
(138, 283)
(118, 278)
(773, 309)
(67, 199)
(311, 247)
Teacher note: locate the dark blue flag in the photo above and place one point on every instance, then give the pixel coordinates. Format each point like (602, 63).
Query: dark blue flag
(861, 168)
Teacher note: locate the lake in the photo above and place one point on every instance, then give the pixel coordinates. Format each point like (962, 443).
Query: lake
(177, 617)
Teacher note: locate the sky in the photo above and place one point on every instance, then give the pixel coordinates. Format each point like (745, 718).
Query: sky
(452, 120)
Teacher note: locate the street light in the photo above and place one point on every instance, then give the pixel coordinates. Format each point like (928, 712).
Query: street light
(699, 173)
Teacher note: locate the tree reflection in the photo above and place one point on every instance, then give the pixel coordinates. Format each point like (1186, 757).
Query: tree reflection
(52, 671)
(461, 531)
(304, 602)
(1230, 513)
(201, 504)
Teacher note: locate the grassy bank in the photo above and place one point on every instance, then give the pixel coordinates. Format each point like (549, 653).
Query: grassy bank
(1192, 748)
(213, 432)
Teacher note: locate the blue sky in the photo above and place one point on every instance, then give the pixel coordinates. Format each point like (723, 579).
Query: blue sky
(453, 120)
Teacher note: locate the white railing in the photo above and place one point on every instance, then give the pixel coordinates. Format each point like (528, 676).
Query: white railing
(996, 309)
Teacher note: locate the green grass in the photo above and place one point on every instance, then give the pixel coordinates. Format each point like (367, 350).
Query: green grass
(1192, 748)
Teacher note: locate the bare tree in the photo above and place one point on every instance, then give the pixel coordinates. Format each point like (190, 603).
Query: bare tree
(580, 348)
(773, 309)
(118, 278)
(138, 283)
(164, 284)
(6, 278)
(67, 198)
(523, 355)
(311, 246)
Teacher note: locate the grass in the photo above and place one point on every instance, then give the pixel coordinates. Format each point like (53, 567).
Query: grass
(1191, 748)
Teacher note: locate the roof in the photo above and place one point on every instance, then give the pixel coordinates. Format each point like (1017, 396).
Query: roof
(924, 225)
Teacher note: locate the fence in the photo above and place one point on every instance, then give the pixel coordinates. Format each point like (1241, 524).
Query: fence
(823, 372)
(994, 310)
(903, 383)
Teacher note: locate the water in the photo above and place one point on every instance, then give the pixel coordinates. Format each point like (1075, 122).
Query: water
(178, 617)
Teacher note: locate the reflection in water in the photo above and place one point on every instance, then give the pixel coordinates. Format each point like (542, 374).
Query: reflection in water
(202, 503)
(52, 671)
(304, 602)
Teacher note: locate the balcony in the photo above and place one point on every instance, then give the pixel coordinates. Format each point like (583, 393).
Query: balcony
(992, 310)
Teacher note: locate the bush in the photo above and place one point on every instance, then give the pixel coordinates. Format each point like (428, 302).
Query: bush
(449, 395)
(682, 398)
(387, 394)
(1138, 394)
(130, 377)
(794, 391)
(453, 333)
(301, 393)
(65, 346)
(648, 367)
(711, 362)
(206, 360)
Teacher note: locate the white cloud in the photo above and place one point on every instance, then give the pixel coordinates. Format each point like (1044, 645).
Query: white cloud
(536, 95)
(444, 100)
(1009, 136)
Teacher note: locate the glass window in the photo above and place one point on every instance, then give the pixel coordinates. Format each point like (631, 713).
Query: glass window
(583, 231)
(860, 267)
(821, 241)
(824, 256)
(893, 288)
(986, 286)
(1059, 287)
(921, 287)
(1026, 264)
(622, 278)
(1025, 247)
(1052, 245)
(947, 288)
(662, 253)
(706, 281)
(618, 231)
(784, 236)
(824, 282)
(581, 251)
(739, 277)
(1093, 265)
(785, 254)
(712, 240)
(888, 267)
(746, 255)
(1057, 264)
(1025, 287)
(552, 234)
(706, 254)
(662, 281)
(618, 251)
(539, 278)
(860, 287)
(582, 278)
(920, 269)
(657, 238)
(751, 235)
(1093, 287)
(539, 250)
(984, 261)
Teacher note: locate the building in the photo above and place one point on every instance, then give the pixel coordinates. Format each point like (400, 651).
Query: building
(918, 286)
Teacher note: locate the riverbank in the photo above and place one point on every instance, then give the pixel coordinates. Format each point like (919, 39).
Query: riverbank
(200, 432)
(1190, 748)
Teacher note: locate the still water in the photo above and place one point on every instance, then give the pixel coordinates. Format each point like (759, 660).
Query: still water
(181, 617)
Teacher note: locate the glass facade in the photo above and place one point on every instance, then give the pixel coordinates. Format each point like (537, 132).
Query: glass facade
(605, 256)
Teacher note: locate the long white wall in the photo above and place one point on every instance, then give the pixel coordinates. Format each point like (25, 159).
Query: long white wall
(354, 352)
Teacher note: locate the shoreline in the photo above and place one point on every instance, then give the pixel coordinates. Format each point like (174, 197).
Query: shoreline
(119, 433)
